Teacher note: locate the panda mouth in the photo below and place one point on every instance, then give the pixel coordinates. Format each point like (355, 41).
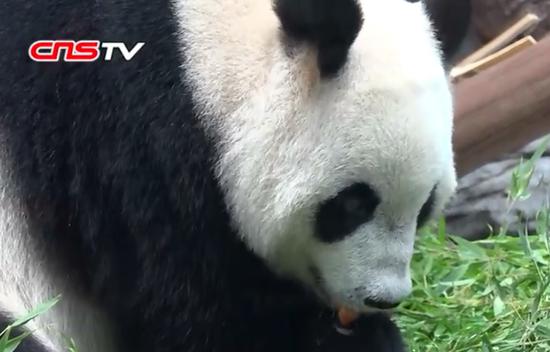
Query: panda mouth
(346, 316)
(321, 292)
(346, 319)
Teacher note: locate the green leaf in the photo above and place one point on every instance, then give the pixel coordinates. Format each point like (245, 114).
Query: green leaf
(455, 283)
(543, 327)
(498, 306)
(15, 342)
(457, 273)
(488, 289)
(486, 345)
(541, 149)
(442, 232)
(507, 282)
(470, 250)
(38, 310)
(71, 345)
(539, 257)
(521, 175)
(12, 345)
(4, 338)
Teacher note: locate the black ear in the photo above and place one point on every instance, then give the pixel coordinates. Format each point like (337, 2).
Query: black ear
(451, 20)
(331, 25)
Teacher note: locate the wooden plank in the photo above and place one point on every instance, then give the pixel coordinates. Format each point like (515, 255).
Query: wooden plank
(502, 108)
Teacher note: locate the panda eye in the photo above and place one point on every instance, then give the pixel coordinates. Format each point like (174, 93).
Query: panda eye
(349, 209)
(426, 210)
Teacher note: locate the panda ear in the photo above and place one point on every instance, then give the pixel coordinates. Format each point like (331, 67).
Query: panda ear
(331, 25)
(451, 21)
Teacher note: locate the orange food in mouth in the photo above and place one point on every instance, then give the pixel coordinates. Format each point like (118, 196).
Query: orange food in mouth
(346, 317)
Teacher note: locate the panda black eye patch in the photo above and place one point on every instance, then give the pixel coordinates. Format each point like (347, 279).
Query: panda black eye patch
(426, 210)
(350, 208)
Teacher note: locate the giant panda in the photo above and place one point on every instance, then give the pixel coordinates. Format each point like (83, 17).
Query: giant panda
(258, 165)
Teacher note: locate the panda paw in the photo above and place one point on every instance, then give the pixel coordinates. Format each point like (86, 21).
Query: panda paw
(371, 333)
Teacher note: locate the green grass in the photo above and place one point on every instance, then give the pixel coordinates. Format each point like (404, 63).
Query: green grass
(488, 295)
(491, 295)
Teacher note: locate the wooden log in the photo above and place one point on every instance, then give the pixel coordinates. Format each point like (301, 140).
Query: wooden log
(502, 108)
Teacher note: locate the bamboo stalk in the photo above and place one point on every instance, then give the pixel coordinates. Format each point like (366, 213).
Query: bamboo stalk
(505, 38)
(493, 59)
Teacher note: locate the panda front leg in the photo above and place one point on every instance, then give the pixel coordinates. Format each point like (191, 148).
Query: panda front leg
(375, 332)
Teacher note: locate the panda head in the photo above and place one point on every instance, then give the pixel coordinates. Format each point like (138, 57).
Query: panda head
(333, 124)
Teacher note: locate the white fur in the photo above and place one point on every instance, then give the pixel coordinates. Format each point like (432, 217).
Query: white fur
(28, 278)
(288, 140)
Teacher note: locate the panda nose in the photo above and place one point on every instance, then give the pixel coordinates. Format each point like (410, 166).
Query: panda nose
(380, 304)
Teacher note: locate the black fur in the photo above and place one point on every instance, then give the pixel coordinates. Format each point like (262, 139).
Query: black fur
(426, 210)
(383, 336)
(332, 25)
(112, 161)
(451, 19)
(352, 207)
(29, 344)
